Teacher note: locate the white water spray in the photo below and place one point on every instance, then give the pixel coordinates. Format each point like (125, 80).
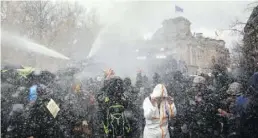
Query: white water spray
(97, 43)
(24, 44)
(116, 18)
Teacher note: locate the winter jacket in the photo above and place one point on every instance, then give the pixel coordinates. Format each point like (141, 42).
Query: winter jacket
(40, 123)
(157, 119)
(248, 121)
(15, 120)
(200, 113)
(253, 81)
(7, 101)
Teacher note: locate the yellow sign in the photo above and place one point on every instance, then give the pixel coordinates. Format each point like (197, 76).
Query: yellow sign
(53, 108)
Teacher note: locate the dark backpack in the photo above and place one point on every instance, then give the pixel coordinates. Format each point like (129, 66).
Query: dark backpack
(117, 123)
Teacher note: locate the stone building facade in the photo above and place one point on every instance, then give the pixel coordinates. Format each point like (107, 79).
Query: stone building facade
(177, 41)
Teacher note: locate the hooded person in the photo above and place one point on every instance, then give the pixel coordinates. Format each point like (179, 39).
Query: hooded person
(158, 109)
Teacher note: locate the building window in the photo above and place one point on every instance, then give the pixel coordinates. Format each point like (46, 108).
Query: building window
(199, 55)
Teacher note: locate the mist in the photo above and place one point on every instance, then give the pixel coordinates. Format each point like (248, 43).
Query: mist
(125, 24)
(27, 45)
(122, 28)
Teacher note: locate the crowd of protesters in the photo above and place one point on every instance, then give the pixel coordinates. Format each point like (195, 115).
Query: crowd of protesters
(40, 104)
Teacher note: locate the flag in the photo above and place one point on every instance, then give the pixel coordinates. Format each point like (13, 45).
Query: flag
(216, 33)
(178, 9)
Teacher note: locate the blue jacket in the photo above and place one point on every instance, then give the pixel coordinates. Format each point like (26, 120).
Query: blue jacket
(33, 93)
(240, 105)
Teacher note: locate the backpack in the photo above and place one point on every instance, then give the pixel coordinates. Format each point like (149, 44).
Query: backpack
(117, 124)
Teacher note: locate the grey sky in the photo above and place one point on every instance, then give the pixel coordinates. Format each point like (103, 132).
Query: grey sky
(139, 18)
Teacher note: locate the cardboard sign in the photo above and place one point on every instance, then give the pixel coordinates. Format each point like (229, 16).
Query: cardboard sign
(53, 108)
(84, 123)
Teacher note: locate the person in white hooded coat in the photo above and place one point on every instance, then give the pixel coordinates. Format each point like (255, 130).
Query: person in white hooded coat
(158, 109)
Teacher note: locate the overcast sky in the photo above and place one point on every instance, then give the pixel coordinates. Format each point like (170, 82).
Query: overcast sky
(139, 18)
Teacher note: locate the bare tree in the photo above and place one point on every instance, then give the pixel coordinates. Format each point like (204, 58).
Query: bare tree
(237, 53)
(236, 27)
(43, 21)
(61, 25)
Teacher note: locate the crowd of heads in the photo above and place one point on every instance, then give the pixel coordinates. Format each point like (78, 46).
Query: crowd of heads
(214, 90)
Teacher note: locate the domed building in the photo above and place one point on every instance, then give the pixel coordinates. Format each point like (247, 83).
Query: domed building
(174, 41)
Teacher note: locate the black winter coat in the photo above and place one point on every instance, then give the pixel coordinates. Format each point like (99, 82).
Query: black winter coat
(40, 123)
